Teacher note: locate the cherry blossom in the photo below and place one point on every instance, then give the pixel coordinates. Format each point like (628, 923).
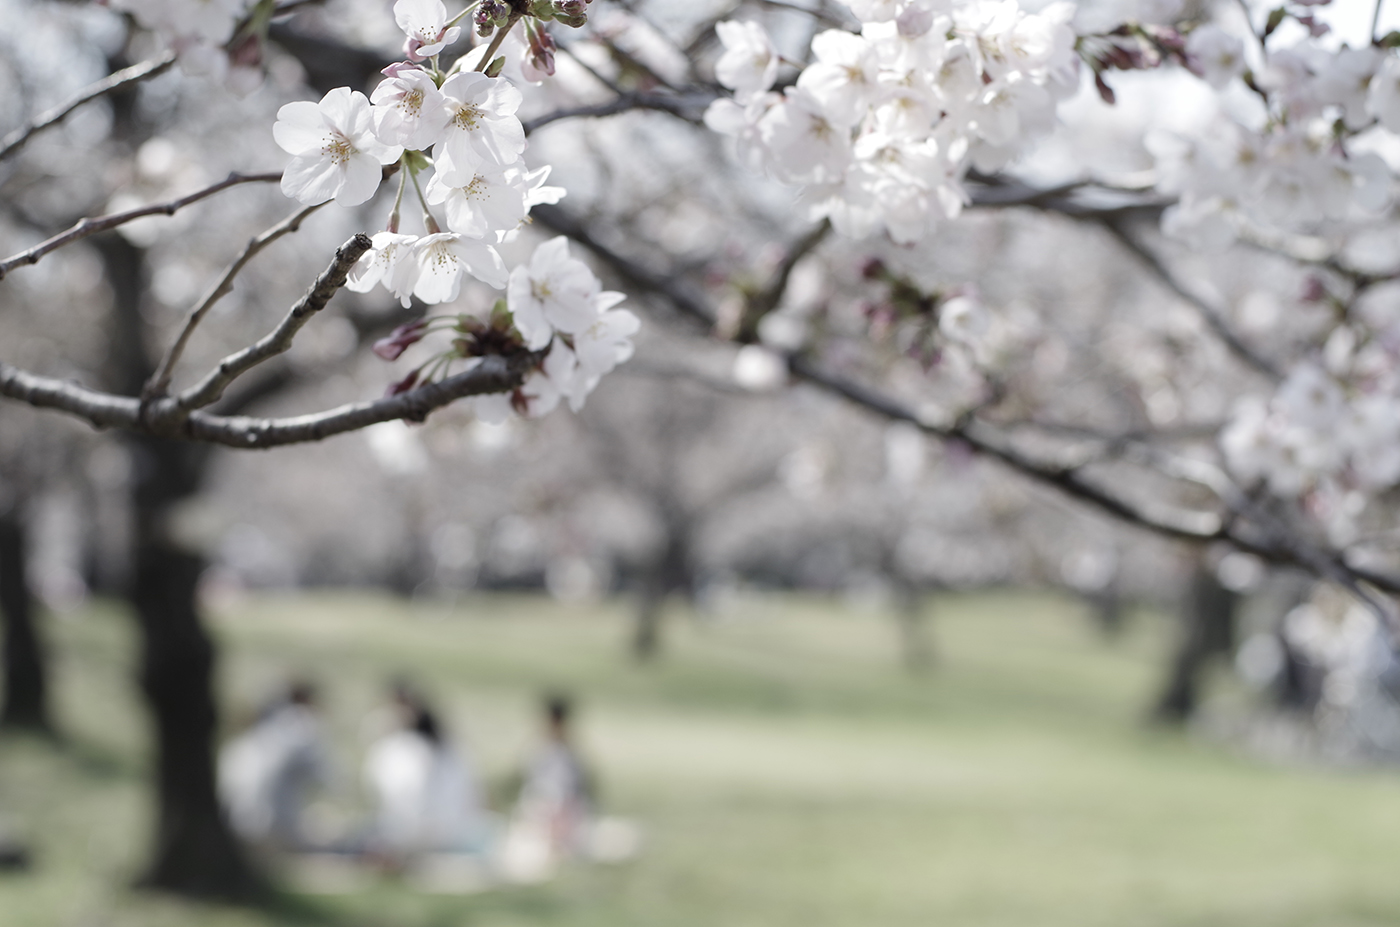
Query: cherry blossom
(409, 110)
(335, 152)
(389, 262)
(493, 200)
(1216, 55)
(481, 128)
(425, 24)
(1383, 95)
(749, 64)
(552, 292)
(603, 345)
(441, 258)
(882, 126)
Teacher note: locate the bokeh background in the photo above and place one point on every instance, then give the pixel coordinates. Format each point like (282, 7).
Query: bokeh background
(830, 671)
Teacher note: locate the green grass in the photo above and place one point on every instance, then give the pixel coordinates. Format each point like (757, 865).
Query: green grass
(786, 773)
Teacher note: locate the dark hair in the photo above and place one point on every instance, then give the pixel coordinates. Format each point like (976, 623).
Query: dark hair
(426, 723)
(301, 692)
(558, 707)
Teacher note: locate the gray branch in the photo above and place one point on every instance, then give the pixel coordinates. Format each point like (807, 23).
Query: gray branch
(160, 380)
(211, 388)
(685, 107)
(1271, 542)
(1209, 313)
(137, 72)
(164, 418)
(91, 226)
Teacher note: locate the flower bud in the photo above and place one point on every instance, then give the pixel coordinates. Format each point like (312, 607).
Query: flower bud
(571, 12)
(396, 342)
(1314, 290)
(542, 49)
(914, 22)
(402, 386)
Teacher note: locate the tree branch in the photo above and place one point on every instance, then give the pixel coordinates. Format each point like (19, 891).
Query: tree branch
(164, 418)
(1209, 313)
(160, 380)
(137, 72)
(91, 226)
(211, 388)
(676, 105)
(1279, 546)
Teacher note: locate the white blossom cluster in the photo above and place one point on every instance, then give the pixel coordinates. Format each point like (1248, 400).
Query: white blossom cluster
(881, 128)
(1288, 164)
(1330, 435)
(557, 303)
(200, 33)
(483, 190)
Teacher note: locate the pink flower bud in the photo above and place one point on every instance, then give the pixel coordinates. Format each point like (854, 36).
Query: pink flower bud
(1314, 291)
(396, 342)
(402, 386)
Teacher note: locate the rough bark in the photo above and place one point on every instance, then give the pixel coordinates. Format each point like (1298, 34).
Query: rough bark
(194, 850)
(25, 703)
(1207, 630)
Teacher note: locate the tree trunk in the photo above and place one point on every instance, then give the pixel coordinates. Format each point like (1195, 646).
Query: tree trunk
(646, 632)
(25, 699)
(195, 851)
(1208, 629)
(916, 650)
(1106, 604)
(671, 572)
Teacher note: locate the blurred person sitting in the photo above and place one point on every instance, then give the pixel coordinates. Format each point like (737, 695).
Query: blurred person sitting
(426, 797)
(268, 773)
(555, 815)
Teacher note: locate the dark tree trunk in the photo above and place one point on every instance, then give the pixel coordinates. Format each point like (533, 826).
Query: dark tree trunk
(1106, 604)
(195, 850)
(1208, 629)
(669, 573)
(25, 705)
(915, 647)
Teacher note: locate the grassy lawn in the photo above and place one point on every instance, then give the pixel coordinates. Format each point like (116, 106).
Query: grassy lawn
(784, 769)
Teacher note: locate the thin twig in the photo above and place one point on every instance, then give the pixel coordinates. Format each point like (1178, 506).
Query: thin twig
(160, 380)
(211, 388)
(137, 72)
(496, 41)
(91, 226)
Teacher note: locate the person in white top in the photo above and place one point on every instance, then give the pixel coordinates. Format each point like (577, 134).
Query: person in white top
(426, 798)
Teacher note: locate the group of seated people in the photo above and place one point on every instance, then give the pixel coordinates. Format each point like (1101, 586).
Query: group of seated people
(427, 800)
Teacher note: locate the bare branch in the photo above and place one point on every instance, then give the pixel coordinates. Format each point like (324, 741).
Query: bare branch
(134, 74)
(682, 107)
(211, 388)
(1080, 199)
(1209, 313)
(91, 226)
(160, 380)
(164, 418)
(1276, 545)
